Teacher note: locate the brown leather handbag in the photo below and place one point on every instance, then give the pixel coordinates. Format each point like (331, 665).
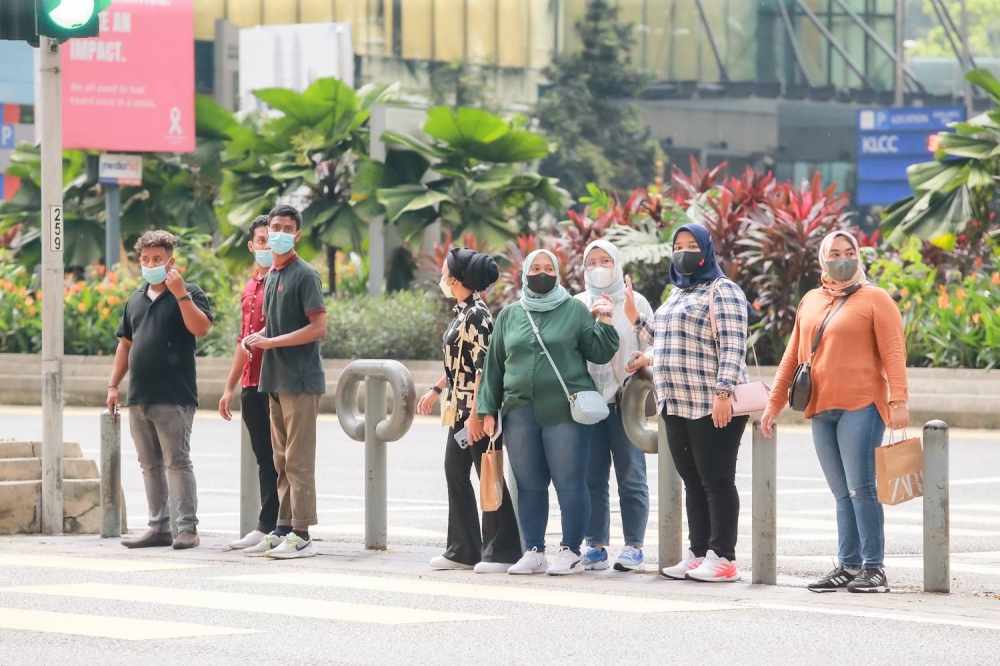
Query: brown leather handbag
(800, 392)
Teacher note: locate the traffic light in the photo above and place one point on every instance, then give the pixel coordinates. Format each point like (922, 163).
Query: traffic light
(60, 19)
(65, 19)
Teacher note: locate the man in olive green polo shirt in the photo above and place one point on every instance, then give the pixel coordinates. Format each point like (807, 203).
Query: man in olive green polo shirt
(292, 374)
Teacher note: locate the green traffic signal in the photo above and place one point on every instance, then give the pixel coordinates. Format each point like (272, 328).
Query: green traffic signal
(66, 19)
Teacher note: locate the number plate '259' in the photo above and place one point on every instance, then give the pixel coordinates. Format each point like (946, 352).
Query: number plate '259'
(56, 228)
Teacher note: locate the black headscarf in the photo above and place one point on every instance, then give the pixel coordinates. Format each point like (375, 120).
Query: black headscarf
(476, 271)
(709, 269)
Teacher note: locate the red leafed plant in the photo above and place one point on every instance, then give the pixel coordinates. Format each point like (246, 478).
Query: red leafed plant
(780, 258)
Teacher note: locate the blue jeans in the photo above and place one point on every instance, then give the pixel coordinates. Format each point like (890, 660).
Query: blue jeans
(845, 444)
(609, 442)
(538, 454)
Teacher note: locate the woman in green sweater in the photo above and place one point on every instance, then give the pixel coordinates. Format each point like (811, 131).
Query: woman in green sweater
(544, 443)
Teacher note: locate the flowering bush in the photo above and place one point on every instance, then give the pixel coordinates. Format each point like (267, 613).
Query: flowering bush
(948, 324)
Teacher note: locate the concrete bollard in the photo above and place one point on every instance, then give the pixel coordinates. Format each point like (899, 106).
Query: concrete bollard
(375, 430)
(668, 494)
(764, 559)
(249, 484)
(112, 504)
(937, 534)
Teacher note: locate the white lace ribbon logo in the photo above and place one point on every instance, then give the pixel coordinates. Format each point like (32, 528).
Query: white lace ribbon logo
(175, 121)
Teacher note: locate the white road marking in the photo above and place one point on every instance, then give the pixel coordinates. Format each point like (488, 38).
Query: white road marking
(92, 563)
(919, 619)
(512, 593)
(250, 603)
(102, 626)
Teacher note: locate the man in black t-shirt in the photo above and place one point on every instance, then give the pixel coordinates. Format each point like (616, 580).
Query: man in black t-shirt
(157, 336)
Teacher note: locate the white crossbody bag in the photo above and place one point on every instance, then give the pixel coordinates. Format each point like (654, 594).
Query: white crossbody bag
(587, 407)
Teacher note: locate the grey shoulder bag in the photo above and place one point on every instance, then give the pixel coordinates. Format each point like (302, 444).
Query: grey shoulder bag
(587, 407)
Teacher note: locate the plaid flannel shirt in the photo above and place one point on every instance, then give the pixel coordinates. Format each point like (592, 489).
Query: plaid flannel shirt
(688, 368)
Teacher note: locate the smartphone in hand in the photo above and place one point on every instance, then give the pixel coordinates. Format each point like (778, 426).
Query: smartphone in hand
(462, 438)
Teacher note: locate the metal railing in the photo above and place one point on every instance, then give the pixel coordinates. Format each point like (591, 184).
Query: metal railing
(376, 429)
(764, 539)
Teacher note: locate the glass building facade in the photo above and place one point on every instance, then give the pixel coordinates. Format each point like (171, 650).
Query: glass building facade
(784, 44)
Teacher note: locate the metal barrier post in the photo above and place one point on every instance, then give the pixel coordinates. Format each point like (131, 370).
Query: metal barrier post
(669, 498)
(376, 430)
(376, 492)
(112, 511)
(249, 483)
(764, 560)
(937, 537)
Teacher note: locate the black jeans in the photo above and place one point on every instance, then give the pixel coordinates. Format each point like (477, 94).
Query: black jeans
(257, 416)
(499, 540)
(705, 457)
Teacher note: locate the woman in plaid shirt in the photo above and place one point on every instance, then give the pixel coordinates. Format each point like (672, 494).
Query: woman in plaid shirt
(694, 385)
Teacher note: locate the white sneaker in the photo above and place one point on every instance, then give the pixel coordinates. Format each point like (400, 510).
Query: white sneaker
(266, 544)
(715, 569)
(567, 562)
(532, 562)
(679, 571)
(492, 567)
(251, 539)
(292, 548)
(442, 563)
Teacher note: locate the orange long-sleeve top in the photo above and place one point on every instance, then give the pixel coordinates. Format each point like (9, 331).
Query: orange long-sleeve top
(860, 360)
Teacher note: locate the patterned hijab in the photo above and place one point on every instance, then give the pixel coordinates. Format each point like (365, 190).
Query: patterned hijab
(839, 288)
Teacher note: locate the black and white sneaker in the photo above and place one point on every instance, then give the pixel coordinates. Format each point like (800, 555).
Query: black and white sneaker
(837, 579)
(870, 579)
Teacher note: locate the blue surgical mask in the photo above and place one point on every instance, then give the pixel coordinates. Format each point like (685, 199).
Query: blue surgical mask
(265, 258)
(281, 242)
(155, 275)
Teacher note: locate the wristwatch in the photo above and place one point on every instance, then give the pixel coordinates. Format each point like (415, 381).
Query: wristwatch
(437, 389)
(185, 297)
(723, 393)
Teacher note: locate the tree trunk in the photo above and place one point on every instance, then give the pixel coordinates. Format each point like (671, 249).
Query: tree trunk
(331, 266)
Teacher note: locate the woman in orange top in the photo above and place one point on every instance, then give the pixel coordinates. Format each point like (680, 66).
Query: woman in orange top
(858, 387)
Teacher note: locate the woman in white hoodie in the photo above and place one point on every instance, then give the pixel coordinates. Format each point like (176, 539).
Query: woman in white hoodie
(603, 276)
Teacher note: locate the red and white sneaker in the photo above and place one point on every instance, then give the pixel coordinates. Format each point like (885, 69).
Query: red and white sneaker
(679, 571)
(715, 569)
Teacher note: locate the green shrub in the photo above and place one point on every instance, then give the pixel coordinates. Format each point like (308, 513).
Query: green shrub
(402, 325)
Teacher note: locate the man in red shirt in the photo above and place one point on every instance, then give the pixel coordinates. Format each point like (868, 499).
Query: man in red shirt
(246, 369)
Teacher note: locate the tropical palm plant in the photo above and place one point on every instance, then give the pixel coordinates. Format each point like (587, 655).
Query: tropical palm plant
(470, 180)
(956, 193)
(309, 154)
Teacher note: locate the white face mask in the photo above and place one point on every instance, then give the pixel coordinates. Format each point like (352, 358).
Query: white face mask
(445, 288)
(601, 278)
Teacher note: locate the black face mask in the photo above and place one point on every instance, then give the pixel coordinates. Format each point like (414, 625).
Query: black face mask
(687, 262)
(541, 283)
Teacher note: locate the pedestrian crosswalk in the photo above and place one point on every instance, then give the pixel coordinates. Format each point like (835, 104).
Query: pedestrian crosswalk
(191, 595)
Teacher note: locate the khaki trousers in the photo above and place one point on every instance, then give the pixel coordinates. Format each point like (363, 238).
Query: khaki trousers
(293, 436)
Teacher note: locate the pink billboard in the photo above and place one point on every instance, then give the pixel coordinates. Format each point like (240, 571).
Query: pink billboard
(132, 88)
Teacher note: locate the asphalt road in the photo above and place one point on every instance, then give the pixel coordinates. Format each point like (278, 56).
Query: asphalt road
(82, 600)
(418, 497)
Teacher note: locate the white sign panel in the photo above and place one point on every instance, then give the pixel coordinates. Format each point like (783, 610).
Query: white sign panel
(118, 169)
(56, 228)
(293, 56)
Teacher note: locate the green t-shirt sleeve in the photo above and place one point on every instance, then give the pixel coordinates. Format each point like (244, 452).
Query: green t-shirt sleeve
(597, 341)
(491, 384)
(311, 294)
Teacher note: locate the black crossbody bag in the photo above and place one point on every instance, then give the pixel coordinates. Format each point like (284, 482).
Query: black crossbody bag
(800, 392)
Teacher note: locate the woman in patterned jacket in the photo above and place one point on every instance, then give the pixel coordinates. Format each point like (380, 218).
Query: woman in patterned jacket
(695, 378)
(464, 274)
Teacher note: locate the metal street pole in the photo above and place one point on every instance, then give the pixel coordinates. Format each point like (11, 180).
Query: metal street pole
(53, 238)
(112, 225)
(966, 60)
(900, 99)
